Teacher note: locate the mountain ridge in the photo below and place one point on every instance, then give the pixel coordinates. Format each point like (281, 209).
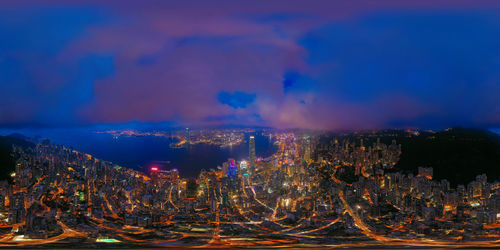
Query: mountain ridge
(7, 161)
(456, 154)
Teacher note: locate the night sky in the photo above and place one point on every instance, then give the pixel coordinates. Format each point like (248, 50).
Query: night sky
(284, 64)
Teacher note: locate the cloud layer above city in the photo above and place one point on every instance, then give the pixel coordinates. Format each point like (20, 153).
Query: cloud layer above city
(285, 64)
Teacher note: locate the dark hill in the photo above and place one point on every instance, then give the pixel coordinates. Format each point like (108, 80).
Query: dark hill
(7, 162)
(455, 154)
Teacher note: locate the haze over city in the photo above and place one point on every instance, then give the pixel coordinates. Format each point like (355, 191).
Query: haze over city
(249, 124)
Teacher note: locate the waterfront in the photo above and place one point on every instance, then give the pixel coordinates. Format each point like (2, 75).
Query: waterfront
(250, 125)
(301, 196)
(140, 152)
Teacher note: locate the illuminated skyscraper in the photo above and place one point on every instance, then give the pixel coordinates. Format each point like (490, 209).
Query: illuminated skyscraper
(188, 141)
(232, 172)
(244, 173)
(307, 148)
(251, 150)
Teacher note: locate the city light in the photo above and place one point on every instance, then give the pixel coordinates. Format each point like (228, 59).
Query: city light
(278, 124)
(282, 195)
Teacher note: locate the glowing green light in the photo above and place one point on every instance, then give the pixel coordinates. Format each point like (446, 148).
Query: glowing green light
(107, 240)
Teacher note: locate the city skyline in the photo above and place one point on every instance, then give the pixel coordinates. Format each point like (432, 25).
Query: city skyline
(321, 65)
(328, 190)
(129, 124)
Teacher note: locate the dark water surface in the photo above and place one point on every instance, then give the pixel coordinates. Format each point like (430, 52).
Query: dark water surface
(142, 152)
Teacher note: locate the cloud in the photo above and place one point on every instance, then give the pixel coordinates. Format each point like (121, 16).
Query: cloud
(36, 86)
(446, 63)
(334, 65)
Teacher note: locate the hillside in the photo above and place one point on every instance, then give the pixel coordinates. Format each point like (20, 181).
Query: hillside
(456, 154)
(7, 162)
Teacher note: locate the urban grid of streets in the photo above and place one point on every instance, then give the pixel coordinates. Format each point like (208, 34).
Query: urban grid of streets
(301, 196)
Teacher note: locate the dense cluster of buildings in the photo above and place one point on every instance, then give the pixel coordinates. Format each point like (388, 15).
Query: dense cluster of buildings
(183, 138)
(343, 189)
(412, 206)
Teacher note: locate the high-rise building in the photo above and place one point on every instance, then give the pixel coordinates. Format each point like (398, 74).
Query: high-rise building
(17, 211)
(244, 173)
(232, 172)
(307, 148)
(188, 141)
(251, 153)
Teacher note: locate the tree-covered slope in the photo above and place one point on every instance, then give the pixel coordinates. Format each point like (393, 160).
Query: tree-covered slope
(7, 162)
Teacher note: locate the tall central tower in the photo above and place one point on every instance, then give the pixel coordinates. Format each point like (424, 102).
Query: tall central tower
(307, 148)
(251, 153)
(188, 139)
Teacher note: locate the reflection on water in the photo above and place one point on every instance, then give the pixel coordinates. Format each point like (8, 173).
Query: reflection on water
(141, 152)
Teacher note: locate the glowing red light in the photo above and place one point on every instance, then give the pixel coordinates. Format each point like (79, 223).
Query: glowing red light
(154, 169)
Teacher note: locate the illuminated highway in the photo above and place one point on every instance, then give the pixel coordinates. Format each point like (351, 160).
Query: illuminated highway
(283, 203)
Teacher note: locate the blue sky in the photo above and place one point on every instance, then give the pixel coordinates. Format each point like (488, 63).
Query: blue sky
(285, 64)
